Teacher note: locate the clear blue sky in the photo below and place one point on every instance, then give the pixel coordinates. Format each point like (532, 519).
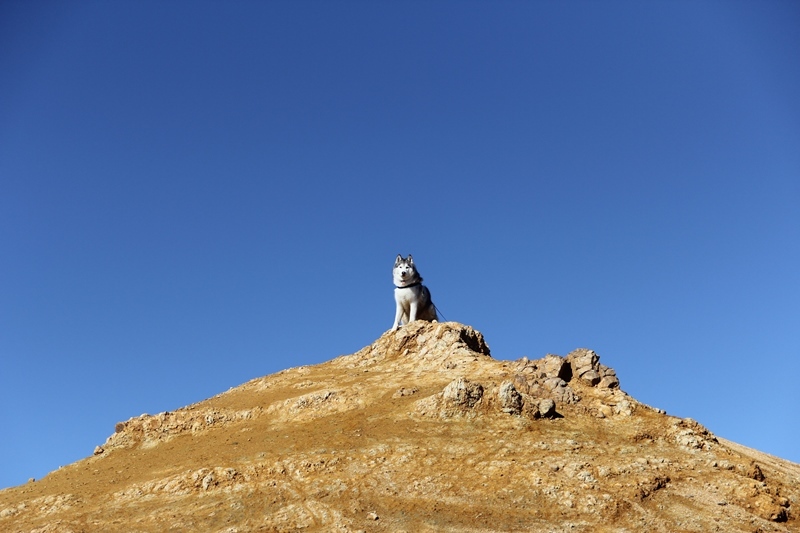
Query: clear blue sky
(195, 194)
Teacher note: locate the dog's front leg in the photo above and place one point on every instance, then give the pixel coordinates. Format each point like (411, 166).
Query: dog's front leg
(397, 316)
(412, 312)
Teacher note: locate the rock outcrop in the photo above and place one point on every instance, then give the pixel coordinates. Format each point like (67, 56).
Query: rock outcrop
(420, 431)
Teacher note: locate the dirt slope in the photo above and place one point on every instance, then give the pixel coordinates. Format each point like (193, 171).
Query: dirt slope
(420, 431)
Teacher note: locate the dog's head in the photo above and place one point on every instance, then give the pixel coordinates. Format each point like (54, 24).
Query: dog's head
(404, 268)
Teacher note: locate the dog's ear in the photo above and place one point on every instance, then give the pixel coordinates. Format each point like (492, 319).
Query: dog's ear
(410, 260)
(398, 260)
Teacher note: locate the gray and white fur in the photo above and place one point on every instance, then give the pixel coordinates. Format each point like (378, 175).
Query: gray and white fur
(413, 299)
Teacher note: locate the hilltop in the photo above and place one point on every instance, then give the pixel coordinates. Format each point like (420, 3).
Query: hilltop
(420, 431)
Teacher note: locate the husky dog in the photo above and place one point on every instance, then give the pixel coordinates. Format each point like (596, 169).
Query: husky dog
(413, 299)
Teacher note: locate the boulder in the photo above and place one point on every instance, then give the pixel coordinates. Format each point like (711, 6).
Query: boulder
(462, 393)
(609, 382)
(547, 407)
(592, 377)
(510, 399)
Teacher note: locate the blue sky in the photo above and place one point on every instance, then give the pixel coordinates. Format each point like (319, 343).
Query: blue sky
(195, 194)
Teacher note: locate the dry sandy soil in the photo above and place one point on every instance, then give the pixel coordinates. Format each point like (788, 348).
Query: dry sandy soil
(420, 431)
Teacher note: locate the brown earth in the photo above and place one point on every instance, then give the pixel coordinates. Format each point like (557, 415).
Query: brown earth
(420, 431)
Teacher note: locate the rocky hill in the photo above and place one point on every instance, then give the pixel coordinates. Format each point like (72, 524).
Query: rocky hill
(421, 431)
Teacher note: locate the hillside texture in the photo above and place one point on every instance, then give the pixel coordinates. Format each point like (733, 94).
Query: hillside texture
(420, 431)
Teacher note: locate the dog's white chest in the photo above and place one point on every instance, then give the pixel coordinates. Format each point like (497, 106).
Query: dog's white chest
(404, 296)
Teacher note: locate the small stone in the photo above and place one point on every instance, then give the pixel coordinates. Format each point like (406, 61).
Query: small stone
(98, 450)
(373, 516)
(405, 391)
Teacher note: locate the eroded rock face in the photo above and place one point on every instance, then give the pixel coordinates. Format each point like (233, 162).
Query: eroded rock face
(692, 435)
(552, 377)
(422, 430)
(151, 429)
(429, 343)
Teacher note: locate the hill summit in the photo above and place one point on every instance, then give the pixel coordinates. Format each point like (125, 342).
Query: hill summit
(420, 431)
